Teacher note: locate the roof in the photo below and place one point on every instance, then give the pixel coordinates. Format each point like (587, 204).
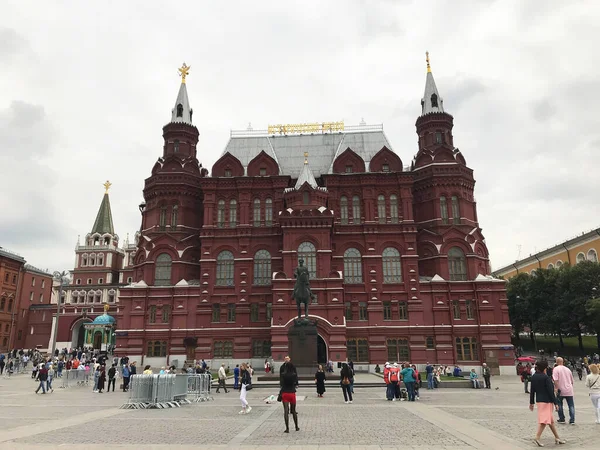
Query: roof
(306, 176)
(30, 268)
(104, 319)
(11, 255)
(322, 149)
(104, 222)
(186, 111)
(427, 106)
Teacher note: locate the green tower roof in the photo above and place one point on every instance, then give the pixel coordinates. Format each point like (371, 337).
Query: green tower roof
(104, 222)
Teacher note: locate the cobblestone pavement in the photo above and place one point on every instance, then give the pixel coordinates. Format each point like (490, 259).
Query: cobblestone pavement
(442, 419)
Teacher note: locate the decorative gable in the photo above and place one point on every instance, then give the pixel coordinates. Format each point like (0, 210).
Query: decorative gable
(263, 165)
(348, 162)
(228, 166)
(385, 161)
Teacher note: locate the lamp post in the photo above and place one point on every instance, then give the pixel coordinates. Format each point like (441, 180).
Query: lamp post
(63, 280)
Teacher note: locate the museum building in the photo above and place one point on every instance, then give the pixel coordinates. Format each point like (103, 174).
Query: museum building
(397, 260)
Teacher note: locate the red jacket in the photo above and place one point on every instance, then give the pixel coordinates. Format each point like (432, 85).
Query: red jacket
(386, 375)
(394, 372)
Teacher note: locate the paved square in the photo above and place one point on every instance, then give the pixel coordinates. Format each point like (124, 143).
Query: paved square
(442, 419)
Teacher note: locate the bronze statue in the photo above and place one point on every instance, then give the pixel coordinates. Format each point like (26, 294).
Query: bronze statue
(302, 292)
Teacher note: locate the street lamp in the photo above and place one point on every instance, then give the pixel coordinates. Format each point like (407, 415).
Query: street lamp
(63, 279)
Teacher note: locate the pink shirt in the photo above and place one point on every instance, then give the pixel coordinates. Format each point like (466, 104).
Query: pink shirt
(563, 378)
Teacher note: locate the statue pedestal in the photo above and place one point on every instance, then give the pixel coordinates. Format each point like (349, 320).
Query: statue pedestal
(302, 342)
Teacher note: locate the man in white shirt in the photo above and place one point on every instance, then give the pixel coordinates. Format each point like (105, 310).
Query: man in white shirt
(222, 376)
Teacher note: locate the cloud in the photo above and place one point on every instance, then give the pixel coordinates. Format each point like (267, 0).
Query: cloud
(12, 44)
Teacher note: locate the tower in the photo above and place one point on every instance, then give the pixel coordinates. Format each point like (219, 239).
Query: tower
(172, 208)
(449, 238)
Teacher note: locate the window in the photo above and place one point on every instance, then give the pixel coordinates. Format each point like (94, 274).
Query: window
(444, 210)
(176, 146)
(455, 310)
(254, 312)
(592, 255)
(216, 312)
(6, 277)
(385, 168)
(308, 253)
(174, 215)
(89, 281)
(348, 310)
(225, 268)
(111, 297)
(232, 213)
(31, 296)
(387, 311)
(305, 198)
(157, 349)
(166, 313)
(33, 281)
(398, 350)
(434, 100)
(455, 210)
(394, 208)
(262, 172)
(2, 304)
(344, 210)
(349, 169)
(269, 311)
(466, 349)
(162, 270)
(352, 266)
(100, 281)
(356, 210)
(101, 260)
(41, 298)
(78, 281)
(457, 264)
(227, 172)
(162, 222)
(129, 280)
(262, 268)
(256, 213)
(403, 310)
(231, 312)
(223, 349)
(84, 260)
(92, 260)
(392, 272)
(152, 314)
(10, 304)
(357, 350)
(179, 110)
(469, 309)
(261, 349)
(220, 213)
(363, 314)
(43, 284)
(580, 258)
(550, 266)
(429, 342)
(381, 208)
(63, 298)
(438, 137)
(269, 212)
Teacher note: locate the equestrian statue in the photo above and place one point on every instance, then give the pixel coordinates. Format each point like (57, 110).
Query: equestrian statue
(302, 292)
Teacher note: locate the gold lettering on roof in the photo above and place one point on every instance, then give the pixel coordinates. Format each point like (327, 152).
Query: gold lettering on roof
(323, 127)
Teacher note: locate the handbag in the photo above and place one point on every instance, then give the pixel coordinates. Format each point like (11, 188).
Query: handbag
(279, 397)
(346, 381)
(249, 387)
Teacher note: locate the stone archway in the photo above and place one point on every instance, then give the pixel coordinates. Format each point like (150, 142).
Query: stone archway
(322, 355)
(78, 333)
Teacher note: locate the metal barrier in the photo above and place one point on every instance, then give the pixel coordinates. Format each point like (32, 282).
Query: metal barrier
(167, 391)
(73, 377)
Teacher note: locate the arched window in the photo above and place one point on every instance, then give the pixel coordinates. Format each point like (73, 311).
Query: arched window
(256, 212)
(174, 216)
(220, 213)
(152, 314)
(592, 255)
(392, 269)
(179, 110)
(344, 210)
(162, 270)
(444, 210)
(455, 210)
(308, 253)
(457, 264)
(394, 208)
(232, 213)
(166, 313)
(550, 266)
(225, 263)
(2, 304)
(381, 208)
(580, 257)
(92, 259)
(176, 146)
(100, 260)
(356, 209)
(262, 267)
(559, 263)
(268, 212)
(352, 266)
(466, 349)
(434, 100)
(162, 221)
(84, 260)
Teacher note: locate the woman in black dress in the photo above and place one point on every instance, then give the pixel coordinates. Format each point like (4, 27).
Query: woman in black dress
(320, 381)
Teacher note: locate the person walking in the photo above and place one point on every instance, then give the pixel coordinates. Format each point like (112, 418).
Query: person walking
(236, 377)
(245, 386)
(2, 363)
(51, 373)
(222, 376)
(101, 379)
(126, 374)
(408, 376)
(486, 376)
(563, 388)
(42, 376)
(345, 375)
(289, 380)
(319, 381)
(542, 392)
(592, 382)
(112, 373)
(96, 378)
(429, 372)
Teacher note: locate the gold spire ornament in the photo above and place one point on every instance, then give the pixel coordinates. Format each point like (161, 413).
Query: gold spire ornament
(106, 308)
(305, 157)
(427, 59)
(107, 186)
(183, 72)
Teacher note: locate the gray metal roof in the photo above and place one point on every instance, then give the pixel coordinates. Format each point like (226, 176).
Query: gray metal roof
(182, 99)
(306, 176)
(322, 149)
(430, 89)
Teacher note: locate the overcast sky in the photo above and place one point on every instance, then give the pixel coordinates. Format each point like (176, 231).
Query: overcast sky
(85, 91)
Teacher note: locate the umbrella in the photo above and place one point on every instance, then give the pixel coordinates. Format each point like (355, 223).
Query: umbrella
(526, 359)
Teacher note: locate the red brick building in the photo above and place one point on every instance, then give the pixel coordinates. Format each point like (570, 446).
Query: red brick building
(398, 263)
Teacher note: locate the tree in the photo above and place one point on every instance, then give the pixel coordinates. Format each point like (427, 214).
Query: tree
(516, 293)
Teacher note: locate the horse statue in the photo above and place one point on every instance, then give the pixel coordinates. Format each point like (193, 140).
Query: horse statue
(302, 292)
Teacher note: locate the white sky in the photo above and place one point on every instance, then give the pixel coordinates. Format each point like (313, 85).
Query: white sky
(85, 90)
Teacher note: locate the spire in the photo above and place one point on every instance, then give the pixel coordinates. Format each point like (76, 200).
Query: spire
(104, 222)
(306, 175)
(431, 101)
(182, 113)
